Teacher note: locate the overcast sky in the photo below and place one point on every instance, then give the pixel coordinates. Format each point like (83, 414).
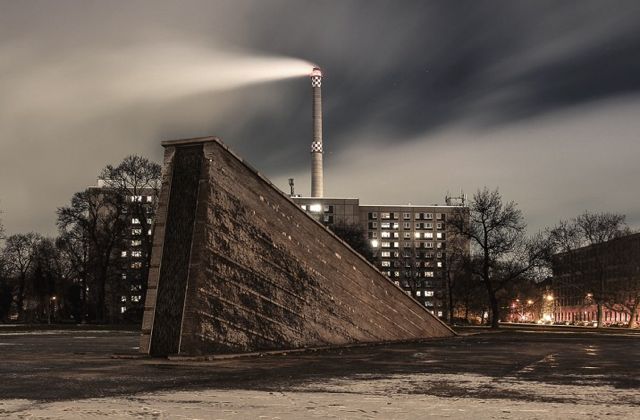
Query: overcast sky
(540, 99)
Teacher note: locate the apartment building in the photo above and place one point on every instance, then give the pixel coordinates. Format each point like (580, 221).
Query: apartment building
(409, 242)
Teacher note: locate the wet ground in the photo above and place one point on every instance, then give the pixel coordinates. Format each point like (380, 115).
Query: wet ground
(542, 372)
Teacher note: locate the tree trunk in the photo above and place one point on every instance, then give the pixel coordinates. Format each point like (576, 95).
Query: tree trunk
(632, 319)
(600, 314)
(20, 300)
(495, 311)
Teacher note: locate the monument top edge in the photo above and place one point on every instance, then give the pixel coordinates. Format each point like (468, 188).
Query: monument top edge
(196, 140)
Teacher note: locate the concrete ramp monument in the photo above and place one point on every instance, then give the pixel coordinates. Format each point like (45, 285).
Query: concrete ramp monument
(237, 266)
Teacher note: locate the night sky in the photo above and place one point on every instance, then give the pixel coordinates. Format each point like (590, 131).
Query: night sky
(538, 98)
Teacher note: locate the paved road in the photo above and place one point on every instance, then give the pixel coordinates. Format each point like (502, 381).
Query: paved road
(72, 365)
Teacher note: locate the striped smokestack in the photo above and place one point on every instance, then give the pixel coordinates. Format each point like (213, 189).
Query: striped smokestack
(317, 187)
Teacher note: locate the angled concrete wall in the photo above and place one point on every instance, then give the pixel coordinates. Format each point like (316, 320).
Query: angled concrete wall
(237, 266)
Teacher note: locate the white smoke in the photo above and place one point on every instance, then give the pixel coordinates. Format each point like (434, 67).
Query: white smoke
(101, 80)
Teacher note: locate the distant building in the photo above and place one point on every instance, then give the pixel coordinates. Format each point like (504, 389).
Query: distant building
(409, 241)
(607, 272)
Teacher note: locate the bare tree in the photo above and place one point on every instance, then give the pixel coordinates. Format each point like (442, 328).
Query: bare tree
(46, 280)
(19, 254)
(97, 214)
(497, 234)
(74, 250)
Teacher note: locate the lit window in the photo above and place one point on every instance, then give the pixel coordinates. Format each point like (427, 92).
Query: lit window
(136, 298)
(428, 273)
(304, 207)
(396, 244)
(149, 221)
(439, 245)
(149, 232)
(135, 221)
(439, 313)
(385, 234)
(374, 243)
(417, 235)
(136, 242)
(149, 198)
(315, 208)
(439, 263)
(386, 244)
(386, 263)
(123, 309)
(123, 254)
(418, 293)
(396, 274)
(385, 215)
(439, 235)
(136, 253)
(428, 293)
(123, 298)
(385, 254)
(385, 225)
(395, 225)
(428, 235)
(136, 265)
(124, 276)
(136, 231)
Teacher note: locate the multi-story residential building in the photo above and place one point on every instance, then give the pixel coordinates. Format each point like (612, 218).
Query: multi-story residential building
(124, 294)
(409, 242)
(607, 274)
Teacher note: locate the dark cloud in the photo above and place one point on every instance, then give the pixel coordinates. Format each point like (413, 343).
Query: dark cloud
(398, 76)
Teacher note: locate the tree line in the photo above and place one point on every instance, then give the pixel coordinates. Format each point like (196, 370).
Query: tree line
(490, 259)
(504, 262)
(79, 274)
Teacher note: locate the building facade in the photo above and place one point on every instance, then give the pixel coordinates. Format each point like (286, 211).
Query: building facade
(607, 274)
(409, 242)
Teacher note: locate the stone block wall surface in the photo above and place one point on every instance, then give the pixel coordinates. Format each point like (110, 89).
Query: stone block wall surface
(263, 275)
